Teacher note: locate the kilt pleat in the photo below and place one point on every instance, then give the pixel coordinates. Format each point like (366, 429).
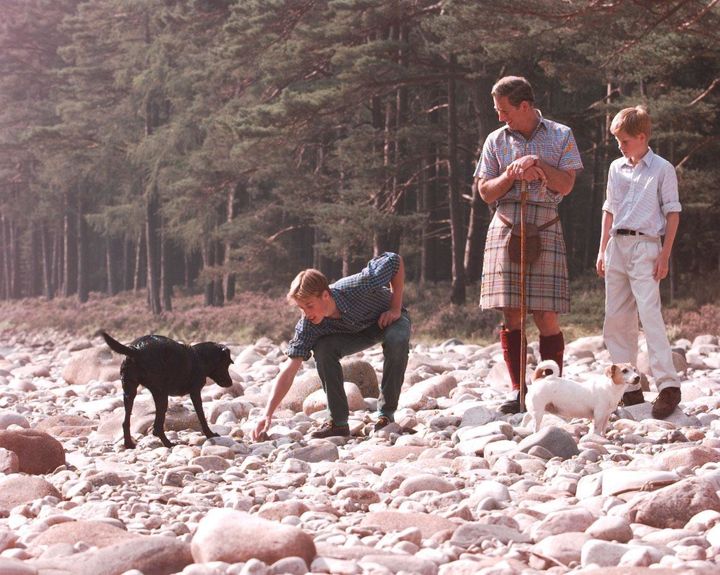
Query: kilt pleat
(546, 284)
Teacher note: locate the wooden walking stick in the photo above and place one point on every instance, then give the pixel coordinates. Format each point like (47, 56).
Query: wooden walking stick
(523, 303)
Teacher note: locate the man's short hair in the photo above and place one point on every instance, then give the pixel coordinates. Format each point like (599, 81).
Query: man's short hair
(633, 121)
(308, 283)
(516, 88)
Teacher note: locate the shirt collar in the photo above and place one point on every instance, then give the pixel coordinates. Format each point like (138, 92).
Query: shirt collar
(541, 124)
(647, 159)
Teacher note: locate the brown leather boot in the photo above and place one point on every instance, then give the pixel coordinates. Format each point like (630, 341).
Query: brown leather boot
(511, 340)
(633, 397)
(553, 347)
(666, 402)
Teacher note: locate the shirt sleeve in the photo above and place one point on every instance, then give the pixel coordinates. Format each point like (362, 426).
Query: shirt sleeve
(607, 205)
(302, 342)
(570, 158)
(381, 270)
(669, 195)
(488, 166)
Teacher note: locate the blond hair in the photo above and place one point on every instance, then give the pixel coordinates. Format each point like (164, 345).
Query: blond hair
(633, 121)
(308, 283)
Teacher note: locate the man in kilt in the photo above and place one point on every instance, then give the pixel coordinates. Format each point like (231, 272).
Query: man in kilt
(544, 154)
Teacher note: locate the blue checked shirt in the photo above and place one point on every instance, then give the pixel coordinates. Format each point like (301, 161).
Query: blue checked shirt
(361, 299)
(552, 142)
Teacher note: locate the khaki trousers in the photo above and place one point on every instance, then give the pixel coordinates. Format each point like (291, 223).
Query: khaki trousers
(631, 291)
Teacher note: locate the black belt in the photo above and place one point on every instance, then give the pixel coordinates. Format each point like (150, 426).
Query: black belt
(628, 233)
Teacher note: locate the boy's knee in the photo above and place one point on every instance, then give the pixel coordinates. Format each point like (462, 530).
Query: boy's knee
(397, 341)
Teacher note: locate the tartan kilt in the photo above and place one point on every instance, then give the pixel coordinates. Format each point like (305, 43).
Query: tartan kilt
(546, 284)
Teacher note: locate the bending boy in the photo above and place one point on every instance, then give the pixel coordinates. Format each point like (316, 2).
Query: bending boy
(642, 205)
(346, 317)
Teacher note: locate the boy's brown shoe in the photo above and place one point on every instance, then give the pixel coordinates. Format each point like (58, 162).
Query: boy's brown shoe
(666, 402)
(329, 429)
(382, 421)
(633, 397)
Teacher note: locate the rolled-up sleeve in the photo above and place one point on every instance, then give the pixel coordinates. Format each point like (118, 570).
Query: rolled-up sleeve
(608, 203)
(302, 342)
(669, 194)
(381, 270)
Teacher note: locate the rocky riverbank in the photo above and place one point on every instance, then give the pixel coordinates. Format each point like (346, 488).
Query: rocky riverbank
(452, 487)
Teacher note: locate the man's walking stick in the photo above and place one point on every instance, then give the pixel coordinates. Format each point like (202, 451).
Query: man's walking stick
(523, 303)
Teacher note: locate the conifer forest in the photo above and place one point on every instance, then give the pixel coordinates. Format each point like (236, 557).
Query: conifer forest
(223, 145)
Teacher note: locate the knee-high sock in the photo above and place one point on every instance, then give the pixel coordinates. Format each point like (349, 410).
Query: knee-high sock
(510, 341)
(553, 347)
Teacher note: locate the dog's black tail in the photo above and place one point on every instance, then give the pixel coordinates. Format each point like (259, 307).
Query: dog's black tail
(116, 346)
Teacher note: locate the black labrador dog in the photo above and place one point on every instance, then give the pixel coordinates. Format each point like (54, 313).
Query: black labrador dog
(166, 367)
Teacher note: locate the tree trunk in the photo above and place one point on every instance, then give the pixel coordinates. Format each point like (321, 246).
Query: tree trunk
(137, 275)
(228, 275)
(475, 238)
(126, 277)
(207, 254)
(47, 264)
(81, 246)
(165, 279)
(217, 281)
(153, 239)
(35, 277)
(57, 258)
(5, 258)
(69, 250)
(424, 208)
(456, 217)
(109, 264)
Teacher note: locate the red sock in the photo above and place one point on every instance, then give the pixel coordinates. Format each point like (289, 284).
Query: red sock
(553, 347)
(510, 341)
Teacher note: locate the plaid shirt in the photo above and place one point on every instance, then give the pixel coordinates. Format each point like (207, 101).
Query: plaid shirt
(361, 299)
(552, 142)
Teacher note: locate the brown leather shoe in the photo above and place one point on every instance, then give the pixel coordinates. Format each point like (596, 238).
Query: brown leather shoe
(633, 397)
(512, 406)
(383, 421)
(329, 429)
(666, 402)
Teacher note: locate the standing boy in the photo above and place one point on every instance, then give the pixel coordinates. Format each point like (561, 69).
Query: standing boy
(642, 205)
(544, 154)
(353, 314)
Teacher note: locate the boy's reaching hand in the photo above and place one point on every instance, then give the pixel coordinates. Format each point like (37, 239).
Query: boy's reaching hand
(260, 431)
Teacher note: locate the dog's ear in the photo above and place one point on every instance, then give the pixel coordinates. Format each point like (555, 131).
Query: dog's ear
(610, 371)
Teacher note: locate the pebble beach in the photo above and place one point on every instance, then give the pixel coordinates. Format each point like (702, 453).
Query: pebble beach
(451, 487)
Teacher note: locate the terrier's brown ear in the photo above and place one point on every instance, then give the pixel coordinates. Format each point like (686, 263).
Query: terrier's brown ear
(610, 371)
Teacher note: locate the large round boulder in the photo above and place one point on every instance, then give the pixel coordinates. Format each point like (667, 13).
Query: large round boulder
(38, 452)
(235, 537)
(94, 364)
(20, 489)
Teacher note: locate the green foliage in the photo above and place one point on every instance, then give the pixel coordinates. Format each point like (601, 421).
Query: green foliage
(278, 134)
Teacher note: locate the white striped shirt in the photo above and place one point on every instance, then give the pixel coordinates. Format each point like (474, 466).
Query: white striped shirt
(640, 197)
